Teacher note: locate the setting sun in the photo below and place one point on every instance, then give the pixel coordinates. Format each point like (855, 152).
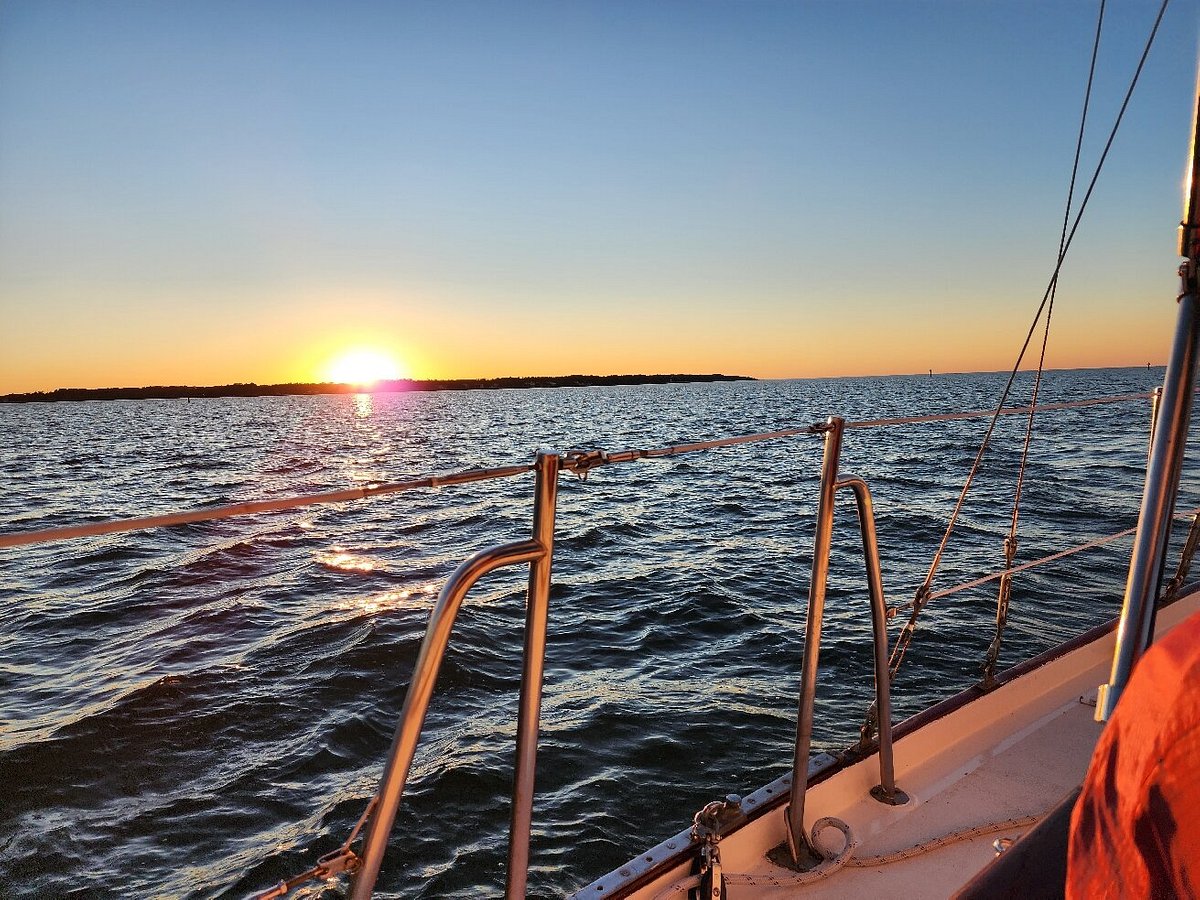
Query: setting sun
(363, 367)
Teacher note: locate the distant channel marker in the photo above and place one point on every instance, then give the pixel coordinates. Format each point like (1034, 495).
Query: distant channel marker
(181, 392)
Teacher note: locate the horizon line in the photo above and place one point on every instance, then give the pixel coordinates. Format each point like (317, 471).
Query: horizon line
(392, 385)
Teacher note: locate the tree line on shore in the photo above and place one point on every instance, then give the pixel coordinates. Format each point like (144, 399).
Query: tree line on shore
(250, 389)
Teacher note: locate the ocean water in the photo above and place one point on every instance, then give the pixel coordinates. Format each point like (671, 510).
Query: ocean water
(204, 710)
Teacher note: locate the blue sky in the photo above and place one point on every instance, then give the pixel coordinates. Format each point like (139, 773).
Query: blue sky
(212, 192)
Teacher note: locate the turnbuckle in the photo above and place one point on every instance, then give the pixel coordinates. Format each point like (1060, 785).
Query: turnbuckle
(583, 461)
(343, 860)
(709, 825)
(336, 862)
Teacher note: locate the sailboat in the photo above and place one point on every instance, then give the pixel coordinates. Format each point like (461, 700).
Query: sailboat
(913, 809)
(974, 796)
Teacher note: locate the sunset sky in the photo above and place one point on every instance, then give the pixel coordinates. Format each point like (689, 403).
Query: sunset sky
(211, 192)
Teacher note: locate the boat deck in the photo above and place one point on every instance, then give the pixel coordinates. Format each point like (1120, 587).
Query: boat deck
(1026, 779)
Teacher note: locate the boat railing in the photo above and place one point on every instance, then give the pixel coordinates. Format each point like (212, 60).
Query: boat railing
(537, 552)
(831, 482)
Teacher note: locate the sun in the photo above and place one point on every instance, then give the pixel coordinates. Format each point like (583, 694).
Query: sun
(363, 367)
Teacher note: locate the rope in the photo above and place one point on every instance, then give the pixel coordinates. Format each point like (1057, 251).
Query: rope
(944, 841)
(780, 877)
(922, 595)
(844, 858)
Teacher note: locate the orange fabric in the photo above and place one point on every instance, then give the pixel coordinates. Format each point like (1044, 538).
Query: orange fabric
(1135, 831)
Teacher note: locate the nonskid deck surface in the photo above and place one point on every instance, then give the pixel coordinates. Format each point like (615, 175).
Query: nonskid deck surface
(1027, 779)
(1013, 753)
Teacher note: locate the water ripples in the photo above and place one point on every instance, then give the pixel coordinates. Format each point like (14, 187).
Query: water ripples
(204, 710)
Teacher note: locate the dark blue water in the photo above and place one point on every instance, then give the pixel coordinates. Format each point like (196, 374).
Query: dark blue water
(204, 710)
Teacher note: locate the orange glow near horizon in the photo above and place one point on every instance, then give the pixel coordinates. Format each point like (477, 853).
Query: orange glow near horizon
(364, 367)
(372, 342)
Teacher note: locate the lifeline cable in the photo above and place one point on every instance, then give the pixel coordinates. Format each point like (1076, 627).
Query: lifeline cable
(574, 461)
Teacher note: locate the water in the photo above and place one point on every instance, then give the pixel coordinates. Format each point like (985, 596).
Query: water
(204, 710)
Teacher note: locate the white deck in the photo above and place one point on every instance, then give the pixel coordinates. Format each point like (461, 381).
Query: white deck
(1029, 778)
(1015, 752)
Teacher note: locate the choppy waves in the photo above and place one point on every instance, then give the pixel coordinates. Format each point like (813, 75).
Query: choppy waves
(204, 710)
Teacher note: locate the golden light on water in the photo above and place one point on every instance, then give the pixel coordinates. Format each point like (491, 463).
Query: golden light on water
(389, 600)
(364, 406)
(386, 600)
(364, 367)
(341, 559)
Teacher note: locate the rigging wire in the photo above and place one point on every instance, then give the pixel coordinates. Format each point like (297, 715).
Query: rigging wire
(1188, 552)
(1004, 594)
(923, 592)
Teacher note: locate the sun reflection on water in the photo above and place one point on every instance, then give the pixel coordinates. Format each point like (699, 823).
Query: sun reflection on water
(343, 560)
(396, 598)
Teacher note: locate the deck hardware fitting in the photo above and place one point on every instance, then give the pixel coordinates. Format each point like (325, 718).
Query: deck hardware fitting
(708, 826)
(343, 860)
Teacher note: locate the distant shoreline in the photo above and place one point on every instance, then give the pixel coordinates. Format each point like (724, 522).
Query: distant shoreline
(182, 392)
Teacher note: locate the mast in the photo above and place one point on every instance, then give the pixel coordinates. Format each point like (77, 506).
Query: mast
(1136, 628)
